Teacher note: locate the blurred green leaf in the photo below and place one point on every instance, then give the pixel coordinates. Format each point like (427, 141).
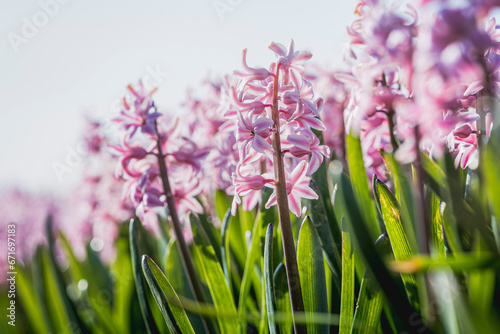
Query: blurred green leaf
(166, 298)
(360, 185)
(312, 275)
(405, 195)
(320, 220)
(399, 243)
(481, 282)
(140, 286)
(437, 234)
(347, 298)
(435, 174)
(463, 262)
(31, 303)
(221, 295)
(490, 168)
(55, 287)
(123, 288)
(55, 295)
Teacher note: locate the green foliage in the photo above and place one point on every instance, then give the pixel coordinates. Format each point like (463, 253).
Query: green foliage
(350, 282)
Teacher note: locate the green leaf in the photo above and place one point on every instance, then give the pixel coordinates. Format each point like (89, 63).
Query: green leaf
(360, 185)
(268, 277)
(347, 297)
(405, 195)
(434, 172)
(371, 299)
(248, 273)
(481, 282)
(312, 275)
(490, 168)
(166, 298)
(283, 298)
(399, 243)
(177, 277)
(221, 295)
(55, 296)
(372, 258)
(437, 236)
(123, 287)
(225, 253)
(140, 286)
(320, 177)
(320, 220)
(31, 303)
(55, 286)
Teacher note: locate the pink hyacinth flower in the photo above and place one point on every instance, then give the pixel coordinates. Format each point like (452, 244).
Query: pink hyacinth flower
(297, 187)
(250, 72)
(305, 143)
(253, 132)
(247, 183)
(288, 59)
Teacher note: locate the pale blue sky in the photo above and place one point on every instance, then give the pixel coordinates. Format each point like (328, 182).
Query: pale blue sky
(82, 58)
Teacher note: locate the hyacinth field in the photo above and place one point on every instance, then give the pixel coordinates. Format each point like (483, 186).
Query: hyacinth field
(287, 198)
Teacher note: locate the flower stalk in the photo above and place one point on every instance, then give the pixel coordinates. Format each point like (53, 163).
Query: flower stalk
(185, 254)
(292, 270)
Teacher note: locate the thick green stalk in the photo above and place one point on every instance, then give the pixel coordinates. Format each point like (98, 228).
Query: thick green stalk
(292, 270)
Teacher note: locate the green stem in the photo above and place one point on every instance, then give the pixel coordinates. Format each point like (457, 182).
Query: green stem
(186, 258)
(392, 126)
(292, 270)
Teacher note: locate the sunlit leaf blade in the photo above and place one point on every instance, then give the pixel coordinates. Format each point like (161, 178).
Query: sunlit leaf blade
(312, 275)
(370, 299)
(140, 286)
(404, 192)
(221, 295)
(283, 298)
(30, 303)
(347, 297)
(364, 244)
(269, 283)
(360, 185)
(166, 298)
(320, 220)
(399, 243)
(437, 235)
